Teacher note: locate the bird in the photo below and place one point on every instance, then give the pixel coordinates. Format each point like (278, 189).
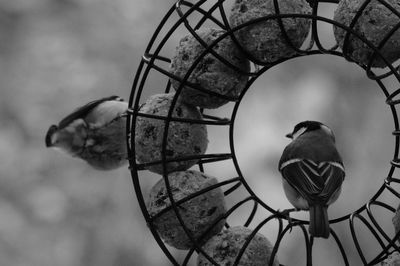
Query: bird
(313, 173)
(94, 132)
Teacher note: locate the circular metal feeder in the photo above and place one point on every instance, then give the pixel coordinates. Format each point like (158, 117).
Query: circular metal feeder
(193, 16)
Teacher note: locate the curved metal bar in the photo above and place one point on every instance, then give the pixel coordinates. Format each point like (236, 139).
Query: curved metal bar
(163, 154)
(206, 14)
(212, 120)
(206, 232)
(381, 44)
(205, 158)
(340, 245)
(249, 238)
(392, 190)
(152, 60)
(282, 233)
(352, 24)
(208, 48)
(191, 85)
(191, 196)
(282, 28)
(355, 239)
(372, 218)
(233, 37)
(314, 29)
(252, 214)
(233, 188)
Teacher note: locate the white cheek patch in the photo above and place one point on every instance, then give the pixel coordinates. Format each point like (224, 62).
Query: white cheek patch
(54, 138)
(299, 132)
(327, 130)
(75, 126)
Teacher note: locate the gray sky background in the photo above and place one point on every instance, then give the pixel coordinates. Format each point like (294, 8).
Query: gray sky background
(57, 211)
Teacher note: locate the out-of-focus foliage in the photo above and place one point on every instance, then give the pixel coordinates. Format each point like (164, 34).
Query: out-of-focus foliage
(57, 55)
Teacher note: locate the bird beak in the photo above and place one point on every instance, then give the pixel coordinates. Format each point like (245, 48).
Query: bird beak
(289, 135)
(49, 135)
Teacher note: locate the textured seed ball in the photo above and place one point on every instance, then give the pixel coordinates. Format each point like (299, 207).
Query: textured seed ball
(264, 40)
(210, 73)
(392, 260)
(225, 246)
(374, 24)
(183, 139)
(198, 214)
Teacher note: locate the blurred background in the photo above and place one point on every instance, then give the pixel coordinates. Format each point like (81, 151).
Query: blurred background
(56, 55)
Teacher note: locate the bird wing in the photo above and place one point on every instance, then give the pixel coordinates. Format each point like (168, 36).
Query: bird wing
(314, 181)
(84, 110)
(105, 113)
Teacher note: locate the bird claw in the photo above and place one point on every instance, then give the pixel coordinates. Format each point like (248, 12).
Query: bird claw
(286, 214)
(256, 68)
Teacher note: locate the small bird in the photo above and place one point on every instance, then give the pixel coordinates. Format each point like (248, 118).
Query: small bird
(313, 173)
(95, 132)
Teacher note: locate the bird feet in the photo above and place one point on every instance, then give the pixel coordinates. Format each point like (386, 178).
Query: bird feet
(286, 214)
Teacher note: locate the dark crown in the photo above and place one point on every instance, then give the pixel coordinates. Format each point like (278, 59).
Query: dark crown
(310, 125)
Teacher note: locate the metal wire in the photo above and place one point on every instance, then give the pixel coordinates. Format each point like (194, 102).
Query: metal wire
(153, 60)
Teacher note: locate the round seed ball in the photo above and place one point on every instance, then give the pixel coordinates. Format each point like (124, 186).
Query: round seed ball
(183, 139)
(264, 40)
(375, 22)
(392, 260)
(199, 213)
(210, 73)
(225, 246)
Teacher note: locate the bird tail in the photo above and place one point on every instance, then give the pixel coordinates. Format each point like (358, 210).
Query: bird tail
(319, 222)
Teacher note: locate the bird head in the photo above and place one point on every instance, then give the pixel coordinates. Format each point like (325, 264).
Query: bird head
(50, 136)
(310, 126)
(70, 139)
